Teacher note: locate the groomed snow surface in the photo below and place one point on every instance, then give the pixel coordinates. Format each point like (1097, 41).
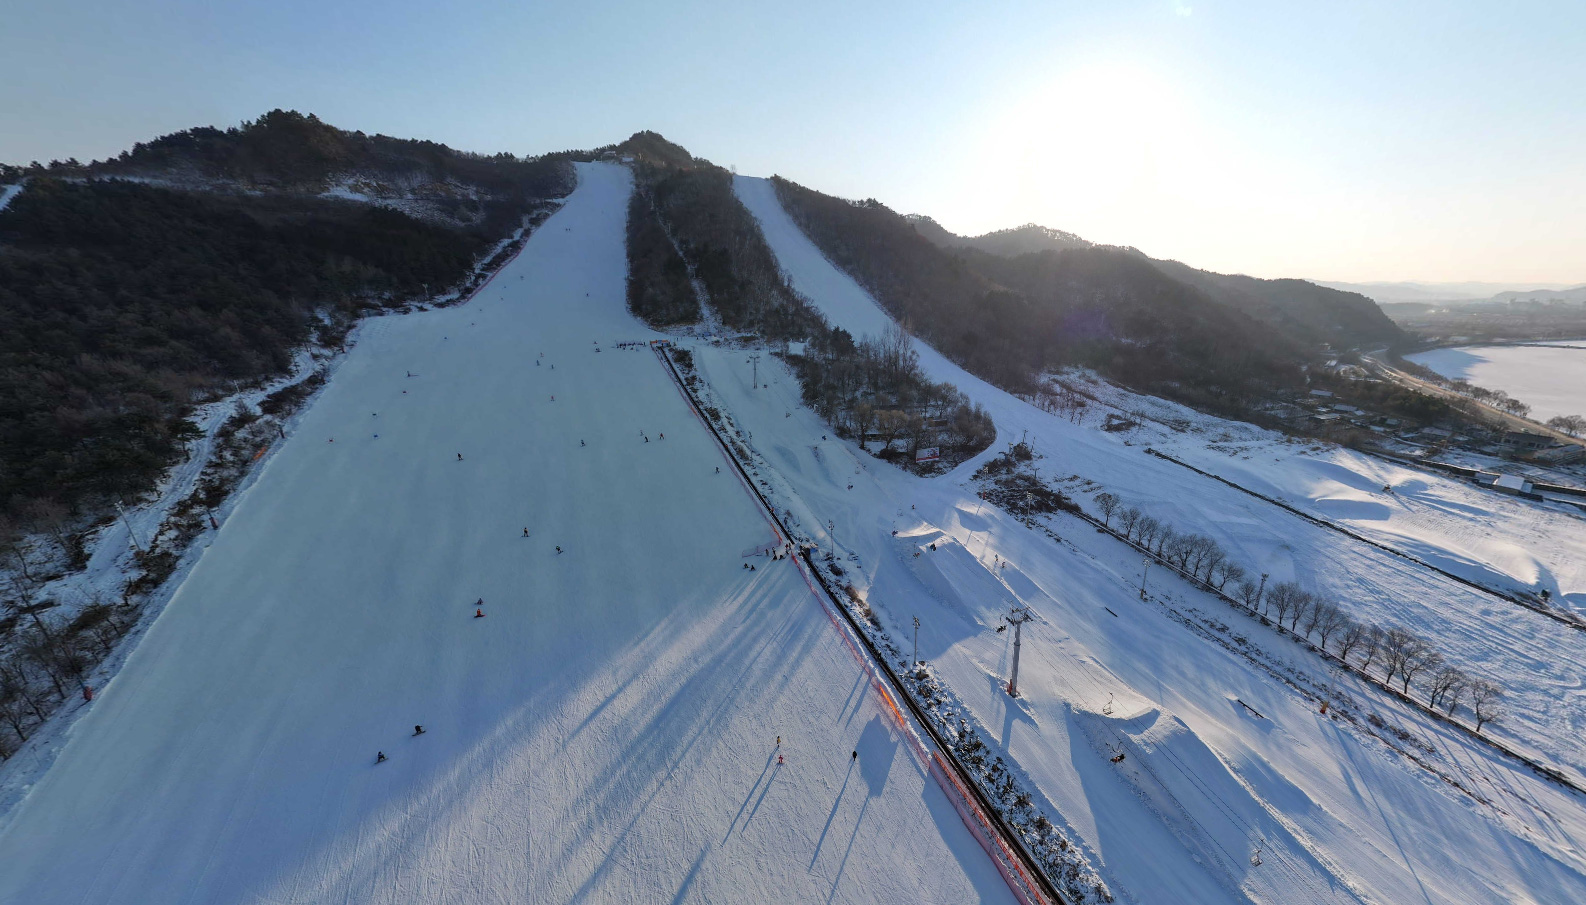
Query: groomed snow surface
(606, 733)
(1222, 760)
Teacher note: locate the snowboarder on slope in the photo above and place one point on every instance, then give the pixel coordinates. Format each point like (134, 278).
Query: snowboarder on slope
(459, 457)
(379, 757)
(418, 730)
(479, 614)
(558, 551)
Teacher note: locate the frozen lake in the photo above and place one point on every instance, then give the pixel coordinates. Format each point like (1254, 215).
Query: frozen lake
(1549, 378)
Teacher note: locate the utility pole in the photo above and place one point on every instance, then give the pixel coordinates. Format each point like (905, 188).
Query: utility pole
(1261, 590)
(1145, 567)
(1018, 616)
(755, 360)
(130, 533)
(916, 661)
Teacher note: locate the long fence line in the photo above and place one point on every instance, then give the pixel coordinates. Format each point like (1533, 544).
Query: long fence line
(1538, 767)
(1561, 618)
(1004, 846)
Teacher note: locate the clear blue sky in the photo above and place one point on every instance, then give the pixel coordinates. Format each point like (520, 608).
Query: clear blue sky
(1338, 140)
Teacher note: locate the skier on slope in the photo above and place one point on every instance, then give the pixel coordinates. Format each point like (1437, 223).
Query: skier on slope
(525, 532)
(459, 457)
(379, 757)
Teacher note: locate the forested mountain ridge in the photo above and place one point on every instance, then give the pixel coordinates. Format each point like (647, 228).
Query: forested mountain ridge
(131, 288)
(1019, 240)
(1010, 319)
(288, 152)
(1302, 311)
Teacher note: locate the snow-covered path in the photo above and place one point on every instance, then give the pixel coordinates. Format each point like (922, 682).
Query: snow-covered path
(1206, 781)
(607, 732)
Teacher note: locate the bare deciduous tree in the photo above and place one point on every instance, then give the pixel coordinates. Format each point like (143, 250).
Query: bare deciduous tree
(1485, 698)
(1128, 519)
(1326, 619)
(1148, 529)
(1350, 636)
(1246, 591)
(1303, 602)
(1371, 647)
(1108, 504)
(1422, 658)
(1446, 682)
(1227, 571)
(1397, 646)
(1282, 598)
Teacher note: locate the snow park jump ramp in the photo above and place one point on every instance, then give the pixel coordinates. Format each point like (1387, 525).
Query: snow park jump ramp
(607, 731)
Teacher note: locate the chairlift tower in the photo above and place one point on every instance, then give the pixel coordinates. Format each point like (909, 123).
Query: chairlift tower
(1018, 616)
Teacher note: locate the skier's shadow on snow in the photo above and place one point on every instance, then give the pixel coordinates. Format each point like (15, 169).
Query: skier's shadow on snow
(759, 779)
(877, 749)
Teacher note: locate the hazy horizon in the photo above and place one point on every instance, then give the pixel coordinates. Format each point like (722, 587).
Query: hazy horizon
(1351, 143)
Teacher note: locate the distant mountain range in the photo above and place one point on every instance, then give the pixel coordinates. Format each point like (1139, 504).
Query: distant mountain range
(1459, 293)
(1305, 312)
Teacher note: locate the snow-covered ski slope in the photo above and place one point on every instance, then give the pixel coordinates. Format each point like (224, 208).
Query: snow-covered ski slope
(1540, 663)
(606, 733)
(1207, 781)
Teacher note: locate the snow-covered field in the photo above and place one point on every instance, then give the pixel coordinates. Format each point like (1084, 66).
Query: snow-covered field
(607, 732)
(1540, 663)
(1337, 814)
(1550, 378)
